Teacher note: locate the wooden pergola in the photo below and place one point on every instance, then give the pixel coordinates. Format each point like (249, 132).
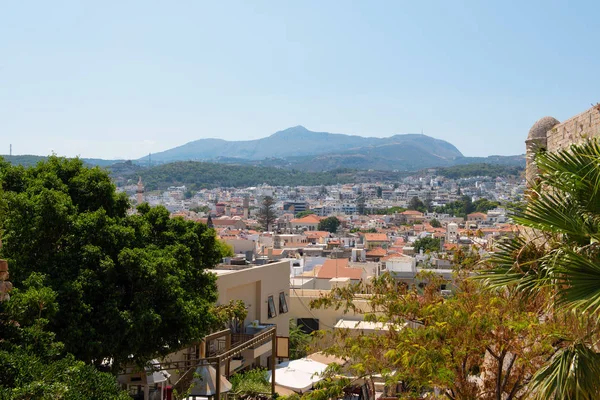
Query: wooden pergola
(222, 358)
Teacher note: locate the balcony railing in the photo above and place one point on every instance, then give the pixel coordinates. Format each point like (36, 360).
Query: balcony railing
(219, 345)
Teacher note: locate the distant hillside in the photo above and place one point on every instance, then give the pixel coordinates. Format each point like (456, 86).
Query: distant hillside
(299, 142)
(299, 148)
(30, 160)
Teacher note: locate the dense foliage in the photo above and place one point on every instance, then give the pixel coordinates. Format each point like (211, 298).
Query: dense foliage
(465, 206)
(126, 285)
(416, 204)
(472, 170)
(199, 175)
(427, 244)
(32, 363)
(329, 224)
(251, 385)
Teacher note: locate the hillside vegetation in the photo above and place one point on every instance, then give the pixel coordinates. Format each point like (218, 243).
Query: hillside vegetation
(199, 175)
(480, 169)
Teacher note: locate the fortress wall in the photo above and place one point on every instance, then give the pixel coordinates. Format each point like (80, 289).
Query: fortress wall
(573, 130)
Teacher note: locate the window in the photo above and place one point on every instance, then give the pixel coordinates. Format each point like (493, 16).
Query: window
(282, 303)
(272, 311)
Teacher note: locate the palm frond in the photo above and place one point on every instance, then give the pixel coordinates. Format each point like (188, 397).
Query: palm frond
(572, 374)
(578, 282)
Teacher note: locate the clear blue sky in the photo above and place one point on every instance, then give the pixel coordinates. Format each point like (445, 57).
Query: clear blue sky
(118, 79)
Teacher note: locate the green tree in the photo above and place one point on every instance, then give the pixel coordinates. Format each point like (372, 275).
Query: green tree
(251, 385)
(32, 364)
(379, 192)
(224, 249)
(360, 204)
(435, 223)
(304, 213)
(557, 260)
(427, 243)
(266, 213)
(199, 209)
(329, 224)
(299, 341)
(126, 285)
(462, 207)
(484, 205)
(416, 204)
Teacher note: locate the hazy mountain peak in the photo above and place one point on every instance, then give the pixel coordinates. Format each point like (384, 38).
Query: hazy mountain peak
(397, 152)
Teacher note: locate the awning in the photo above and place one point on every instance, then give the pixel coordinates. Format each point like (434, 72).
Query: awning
(298, 375)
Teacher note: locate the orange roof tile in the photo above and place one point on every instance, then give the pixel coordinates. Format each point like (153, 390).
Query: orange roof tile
(411, 212)
(338, 268)
(376, 237)
(309, 219)
(377, 252)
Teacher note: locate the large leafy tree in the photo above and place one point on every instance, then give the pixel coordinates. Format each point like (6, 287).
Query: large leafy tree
(558, 259)
(427, 243)
(127, 285)
(32, 364)
(329, 224)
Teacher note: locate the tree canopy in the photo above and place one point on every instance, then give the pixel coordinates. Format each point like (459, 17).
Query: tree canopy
(416, 204)
(32, 363)
(329, 224)
(126, 285)
(465, 206)
(427, 244)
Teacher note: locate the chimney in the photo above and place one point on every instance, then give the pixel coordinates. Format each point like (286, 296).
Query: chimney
(270, 253)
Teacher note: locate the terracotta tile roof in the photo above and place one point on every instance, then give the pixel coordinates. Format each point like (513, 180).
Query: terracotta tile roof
(411, 212)
(377, 252)
(309, 219)
(477, 214)
(338, 268)
(376, 237)
(395, 249)
(316, 234)
(276, 252)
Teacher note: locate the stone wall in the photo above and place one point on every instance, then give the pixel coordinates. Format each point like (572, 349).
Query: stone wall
(551, 135)
(573, 130)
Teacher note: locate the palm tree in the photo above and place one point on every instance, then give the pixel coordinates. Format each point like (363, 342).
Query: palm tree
(557, 259)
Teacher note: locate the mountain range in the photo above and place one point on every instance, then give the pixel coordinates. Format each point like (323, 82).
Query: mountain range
(302, 149)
